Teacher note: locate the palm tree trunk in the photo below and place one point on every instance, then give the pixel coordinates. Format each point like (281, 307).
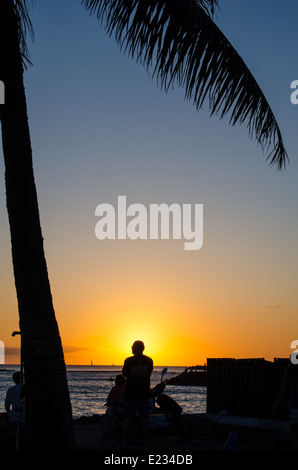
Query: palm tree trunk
(46, 390)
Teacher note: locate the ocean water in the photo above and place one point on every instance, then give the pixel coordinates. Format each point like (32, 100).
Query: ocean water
(89, 387)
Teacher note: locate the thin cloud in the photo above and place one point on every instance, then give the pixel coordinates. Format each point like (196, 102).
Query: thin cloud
(11, 351)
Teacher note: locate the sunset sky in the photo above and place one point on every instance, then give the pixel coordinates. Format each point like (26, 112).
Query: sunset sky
(100, 128)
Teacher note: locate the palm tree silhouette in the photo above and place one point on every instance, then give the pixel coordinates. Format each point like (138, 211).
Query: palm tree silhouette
(179, 40)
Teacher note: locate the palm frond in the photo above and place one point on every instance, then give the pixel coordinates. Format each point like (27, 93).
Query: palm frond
(24, 28)
(184, 46)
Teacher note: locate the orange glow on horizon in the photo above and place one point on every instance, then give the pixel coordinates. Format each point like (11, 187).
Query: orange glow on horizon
(182, 315)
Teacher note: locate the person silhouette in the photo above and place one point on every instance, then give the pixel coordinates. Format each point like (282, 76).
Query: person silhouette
(137, 370)
(13, 405)
(116, 394)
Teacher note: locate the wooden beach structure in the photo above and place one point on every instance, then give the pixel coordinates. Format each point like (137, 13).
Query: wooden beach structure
(244, 387)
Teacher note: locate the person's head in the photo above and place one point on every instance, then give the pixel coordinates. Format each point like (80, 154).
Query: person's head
(16, 377)
(138, 347)
(119, 379)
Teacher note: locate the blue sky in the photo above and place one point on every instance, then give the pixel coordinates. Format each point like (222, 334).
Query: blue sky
(100, 127)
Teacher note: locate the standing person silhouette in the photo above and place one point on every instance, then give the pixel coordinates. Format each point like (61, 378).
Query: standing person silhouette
(13, 404)
(137, 370)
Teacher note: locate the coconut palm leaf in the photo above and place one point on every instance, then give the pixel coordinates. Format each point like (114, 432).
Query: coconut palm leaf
(184, 46)
(25, 27)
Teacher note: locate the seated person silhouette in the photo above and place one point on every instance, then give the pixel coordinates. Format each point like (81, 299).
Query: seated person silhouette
(116, 395)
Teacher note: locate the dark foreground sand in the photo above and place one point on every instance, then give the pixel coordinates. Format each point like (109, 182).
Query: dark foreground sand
(206, 432)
